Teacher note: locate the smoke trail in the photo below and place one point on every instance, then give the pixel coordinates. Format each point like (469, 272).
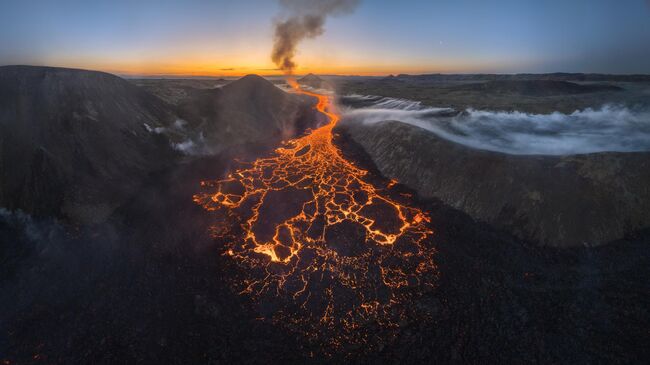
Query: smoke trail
(306, 20)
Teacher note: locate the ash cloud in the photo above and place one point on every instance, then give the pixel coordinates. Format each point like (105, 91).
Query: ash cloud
(304, 19)
(609, 128)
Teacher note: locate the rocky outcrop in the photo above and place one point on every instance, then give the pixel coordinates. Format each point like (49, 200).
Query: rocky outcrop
(75, 144)
(560, 201)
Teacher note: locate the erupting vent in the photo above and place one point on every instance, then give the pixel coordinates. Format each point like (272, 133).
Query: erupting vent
(327, 253)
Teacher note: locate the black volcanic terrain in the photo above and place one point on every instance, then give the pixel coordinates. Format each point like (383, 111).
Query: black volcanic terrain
(105, 257)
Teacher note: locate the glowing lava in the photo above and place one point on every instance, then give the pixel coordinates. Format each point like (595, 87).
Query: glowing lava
(327, 253)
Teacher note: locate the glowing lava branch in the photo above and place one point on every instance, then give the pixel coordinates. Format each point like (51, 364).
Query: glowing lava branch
(329, 253)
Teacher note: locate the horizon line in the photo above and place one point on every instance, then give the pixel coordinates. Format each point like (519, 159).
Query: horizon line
(129, 75)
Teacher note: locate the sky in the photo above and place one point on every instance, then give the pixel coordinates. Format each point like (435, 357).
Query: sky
(214, 37)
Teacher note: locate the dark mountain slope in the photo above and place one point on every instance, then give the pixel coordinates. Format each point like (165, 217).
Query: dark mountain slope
(562, 201)
(75, 143)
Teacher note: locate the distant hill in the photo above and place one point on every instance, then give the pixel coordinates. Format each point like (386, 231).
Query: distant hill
(530, 93)
(314, 81)
(536, 87)
(173, 90)
(75, 143)
(557, 76)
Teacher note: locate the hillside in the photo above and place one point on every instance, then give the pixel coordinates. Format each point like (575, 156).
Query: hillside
(74, 143)
(558, 201)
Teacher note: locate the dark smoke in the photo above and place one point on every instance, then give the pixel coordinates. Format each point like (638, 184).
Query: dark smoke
(306, 19)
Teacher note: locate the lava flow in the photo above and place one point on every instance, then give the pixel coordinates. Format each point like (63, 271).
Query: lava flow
(326, 252)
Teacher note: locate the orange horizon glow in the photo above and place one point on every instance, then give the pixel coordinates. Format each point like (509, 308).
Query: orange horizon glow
(194, 59)
(191, 69)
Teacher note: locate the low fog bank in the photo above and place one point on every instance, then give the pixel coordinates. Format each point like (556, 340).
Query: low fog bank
(611, 128)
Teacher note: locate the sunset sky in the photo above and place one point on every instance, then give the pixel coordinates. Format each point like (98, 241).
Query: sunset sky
(203, 37)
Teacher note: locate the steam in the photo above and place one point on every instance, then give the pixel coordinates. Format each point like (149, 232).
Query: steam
(196, 145)
(306, 19)
(184, 140)
(609, 128)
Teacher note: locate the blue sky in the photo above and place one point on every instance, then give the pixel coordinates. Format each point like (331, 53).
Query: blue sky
(417, 36)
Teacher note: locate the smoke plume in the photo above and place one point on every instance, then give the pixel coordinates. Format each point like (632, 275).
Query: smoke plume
(305, 19)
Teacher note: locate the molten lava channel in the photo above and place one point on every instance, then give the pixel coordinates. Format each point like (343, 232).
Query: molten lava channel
(327, 252)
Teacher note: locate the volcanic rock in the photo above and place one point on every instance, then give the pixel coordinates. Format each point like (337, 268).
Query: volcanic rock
(75, 143)
(562, 201)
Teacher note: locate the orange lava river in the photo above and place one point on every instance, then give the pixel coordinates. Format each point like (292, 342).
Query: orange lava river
(326, 251)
